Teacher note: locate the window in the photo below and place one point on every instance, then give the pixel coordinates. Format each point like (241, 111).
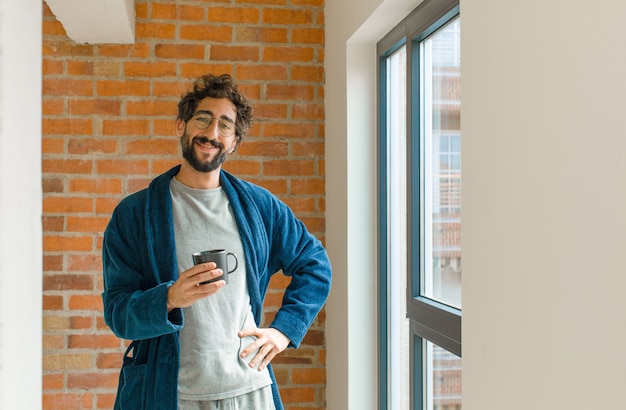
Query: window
(420, 210)
(439, 139)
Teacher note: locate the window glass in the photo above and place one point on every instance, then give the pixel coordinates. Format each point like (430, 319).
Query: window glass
(443, 379)
(441, 158)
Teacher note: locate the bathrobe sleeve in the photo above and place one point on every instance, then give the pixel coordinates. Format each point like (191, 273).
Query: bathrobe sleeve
(274, 240)
(301, 257)
(135, 293)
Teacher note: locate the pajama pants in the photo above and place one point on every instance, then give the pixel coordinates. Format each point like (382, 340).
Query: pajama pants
(256, 400)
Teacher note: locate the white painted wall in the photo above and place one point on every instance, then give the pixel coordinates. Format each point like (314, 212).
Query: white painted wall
(544, 204)
(544, 194)
(20, 204)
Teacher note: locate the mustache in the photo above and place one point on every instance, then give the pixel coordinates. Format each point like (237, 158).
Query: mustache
(205, 140)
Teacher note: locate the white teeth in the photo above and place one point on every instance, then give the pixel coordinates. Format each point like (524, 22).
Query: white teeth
(207, 146)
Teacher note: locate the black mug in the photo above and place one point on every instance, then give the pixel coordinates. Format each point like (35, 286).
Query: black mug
(220, 257)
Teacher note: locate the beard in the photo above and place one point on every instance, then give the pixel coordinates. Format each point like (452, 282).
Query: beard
(203, 164)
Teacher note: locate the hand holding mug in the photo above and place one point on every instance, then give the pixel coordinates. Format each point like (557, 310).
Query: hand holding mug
(188, 289)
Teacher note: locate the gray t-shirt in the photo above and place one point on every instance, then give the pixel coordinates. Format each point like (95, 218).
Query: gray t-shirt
(210, 366)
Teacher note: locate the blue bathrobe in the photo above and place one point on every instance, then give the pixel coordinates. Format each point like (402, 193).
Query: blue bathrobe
(139, 261)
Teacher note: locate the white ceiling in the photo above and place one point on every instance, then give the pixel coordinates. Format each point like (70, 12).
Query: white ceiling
(96, 21)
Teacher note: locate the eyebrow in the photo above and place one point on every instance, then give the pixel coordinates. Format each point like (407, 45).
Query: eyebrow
(223, 117)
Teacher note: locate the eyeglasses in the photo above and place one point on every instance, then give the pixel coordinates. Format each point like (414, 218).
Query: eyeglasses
(226, 128)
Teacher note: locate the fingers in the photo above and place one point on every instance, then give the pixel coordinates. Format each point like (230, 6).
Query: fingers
(189, 287)
(269, 343)
(200, 273)
(265, 356)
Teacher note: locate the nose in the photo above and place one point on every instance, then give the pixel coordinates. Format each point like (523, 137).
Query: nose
(212, 131)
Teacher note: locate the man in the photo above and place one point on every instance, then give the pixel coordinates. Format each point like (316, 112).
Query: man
(197, 345)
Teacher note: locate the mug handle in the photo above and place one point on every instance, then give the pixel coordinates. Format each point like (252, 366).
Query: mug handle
(236, 262)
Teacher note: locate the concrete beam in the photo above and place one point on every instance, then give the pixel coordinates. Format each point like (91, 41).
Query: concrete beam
(96, 21)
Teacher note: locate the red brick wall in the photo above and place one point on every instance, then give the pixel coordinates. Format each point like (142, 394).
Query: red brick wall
(108, 128)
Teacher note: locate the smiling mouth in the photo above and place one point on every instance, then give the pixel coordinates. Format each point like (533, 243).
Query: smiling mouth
(206, 143)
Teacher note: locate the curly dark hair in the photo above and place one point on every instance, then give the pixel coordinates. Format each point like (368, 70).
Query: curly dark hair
(221, 86)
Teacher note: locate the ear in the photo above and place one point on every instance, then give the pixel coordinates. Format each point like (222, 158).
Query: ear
(233, 148)
(180, 127)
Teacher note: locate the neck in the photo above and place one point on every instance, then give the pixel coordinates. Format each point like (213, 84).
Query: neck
(196, 179)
